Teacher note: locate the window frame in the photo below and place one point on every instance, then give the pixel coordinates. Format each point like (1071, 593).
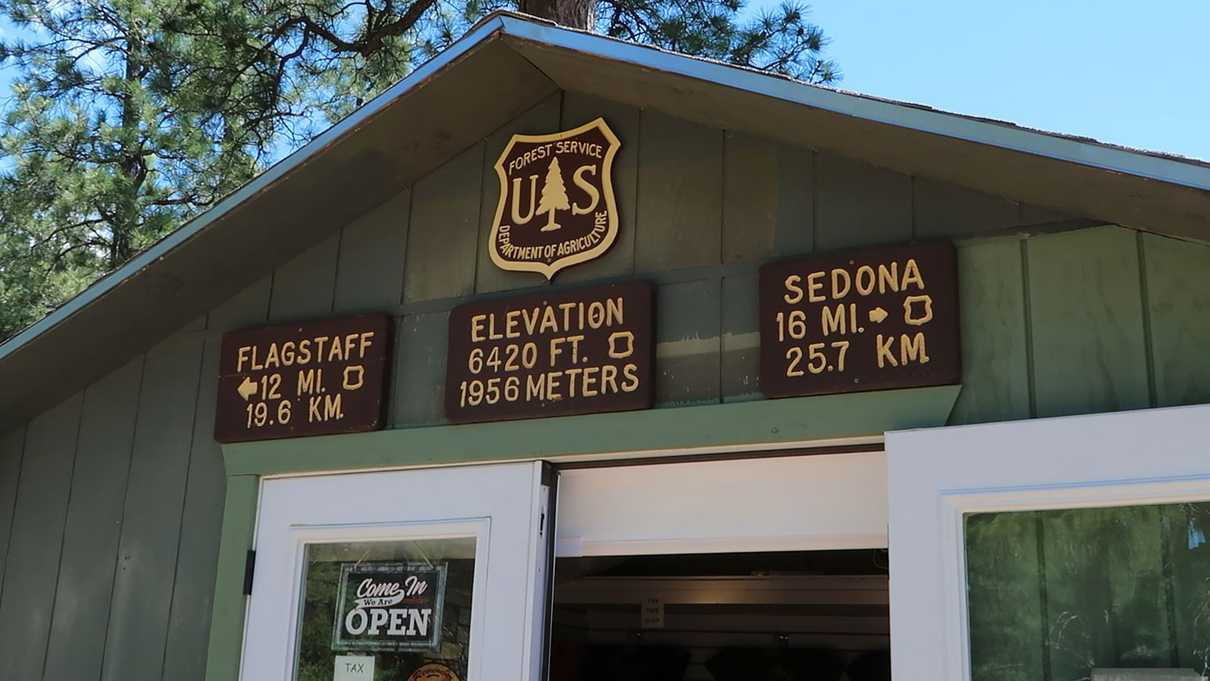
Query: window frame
(938, 476)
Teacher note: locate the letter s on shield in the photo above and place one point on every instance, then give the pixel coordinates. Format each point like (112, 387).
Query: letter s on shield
(557, 206)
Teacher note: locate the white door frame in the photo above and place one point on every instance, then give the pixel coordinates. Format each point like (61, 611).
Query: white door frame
(503, 506)
(786, 503)
(938, 475)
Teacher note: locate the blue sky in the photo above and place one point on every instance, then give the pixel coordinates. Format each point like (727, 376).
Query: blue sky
(1132, 73)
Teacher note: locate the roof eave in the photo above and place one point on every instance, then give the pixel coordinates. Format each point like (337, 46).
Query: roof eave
(1162, 168)
(520, 60)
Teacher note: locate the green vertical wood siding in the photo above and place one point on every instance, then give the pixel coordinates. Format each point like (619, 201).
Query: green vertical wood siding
(768, 200)
(1086, 321)
(680, 208)
(443, 233)
(155, 497)
(31, 572)
(11, 446)
(201, 518)
(857, 204)
(948, 210)
(122, 557)
(369, 273)
(305, 286)
(750, 190)
(688, 348)
(1178, 304)
(995, 362)
(193, 583)
(419, 397)
(206, 497)
(740, 368)
(94, 524)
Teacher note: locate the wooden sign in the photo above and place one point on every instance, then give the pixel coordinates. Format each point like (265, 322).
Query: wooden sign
(869, 320)
(309, 378)
(551, 354)
(389, 606)
(557, 206)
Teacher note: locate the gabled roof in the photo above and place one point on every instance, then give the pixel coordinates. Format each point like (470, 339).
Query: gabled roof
(504, 65)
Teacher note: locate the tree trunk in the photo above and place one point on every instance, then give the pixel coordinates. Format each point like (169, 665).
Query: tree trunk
(126, 216)
(574, 13)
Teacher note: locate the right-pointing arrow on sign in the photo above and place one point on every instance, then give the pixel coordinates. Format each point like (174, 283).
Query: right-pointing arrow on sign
(877, 315)
(248, 388)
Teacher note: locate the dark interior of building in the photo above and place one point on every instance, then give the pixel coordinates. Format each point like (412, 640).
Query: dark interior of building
(785, 616)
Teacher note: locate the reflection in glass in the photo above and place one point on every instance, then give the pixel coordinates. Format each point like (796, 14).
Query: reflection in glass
(399, 608)
(1069, 595)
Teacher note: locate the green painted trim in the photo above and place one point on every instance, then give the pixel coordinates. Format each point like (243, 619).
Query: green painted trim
(758, 423)
(227, 617)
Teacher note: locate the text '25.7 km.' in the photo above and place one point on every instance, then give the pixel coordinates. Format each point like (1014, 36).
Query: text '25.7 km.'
(865, 320)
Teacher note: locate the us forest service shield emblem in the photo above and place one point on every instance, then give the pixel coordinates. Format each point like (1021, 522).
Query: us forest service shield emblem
(557, 206)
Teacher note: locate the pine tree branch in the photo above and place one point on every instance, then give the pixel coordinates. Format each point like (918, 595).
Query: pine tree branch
(58, 231)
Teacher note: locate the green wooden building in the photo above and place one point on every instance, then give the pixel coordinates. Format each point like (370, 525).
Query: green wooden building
(1042, 518)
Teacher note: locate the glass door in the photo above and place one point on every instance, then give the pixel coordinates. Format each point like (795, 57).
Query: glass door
(423, 575)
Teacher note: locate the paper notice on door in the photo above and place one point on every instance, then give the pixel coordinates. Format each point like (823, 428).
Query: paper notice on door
(653, 614)
(354, 668)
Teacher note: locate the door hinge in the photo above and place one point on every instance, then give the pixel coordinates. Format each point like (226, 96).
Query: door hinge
(249, 571)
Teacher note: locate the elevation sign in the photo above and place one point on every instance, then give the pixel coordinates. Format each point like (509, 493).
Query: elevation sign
(309, 378)
(551, 354)
(867, 320)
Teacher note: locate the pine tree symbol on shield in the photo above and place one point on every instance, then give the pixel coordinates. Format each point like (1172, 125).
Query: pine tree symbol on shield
(576, 212)
(554, 196)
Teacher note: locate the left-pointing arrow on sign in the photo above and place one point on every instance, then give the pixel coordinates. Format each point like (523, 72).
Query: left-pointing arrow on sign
(246, 389)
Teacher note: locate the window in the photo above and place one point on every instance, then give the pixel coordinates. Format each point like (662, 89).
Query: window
(386, 609)
(1051, 549)
(1066, 595)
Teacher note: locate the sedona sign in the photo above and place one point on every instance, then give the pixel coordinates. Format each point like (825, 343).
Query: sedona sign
(557, 206)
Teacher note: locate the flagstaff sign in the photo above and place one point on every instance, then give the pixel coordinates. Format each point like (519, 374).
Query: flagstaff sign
(309, 378)
(557, 206)
(389, 606)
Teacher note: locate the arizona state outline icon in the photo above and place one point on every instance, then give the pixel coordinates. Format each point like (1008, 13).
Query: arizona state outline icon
(557, 206)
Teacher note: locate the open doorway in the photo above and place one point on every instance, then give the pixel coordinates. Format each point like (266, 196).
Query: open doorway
(761, 616)
(737, 569)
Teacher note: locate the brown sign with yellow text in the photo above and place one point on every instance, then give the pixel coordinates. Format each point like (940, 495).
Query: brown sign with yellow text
(557, 206)
(551, 354)
(869, 320)
(309, 378)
